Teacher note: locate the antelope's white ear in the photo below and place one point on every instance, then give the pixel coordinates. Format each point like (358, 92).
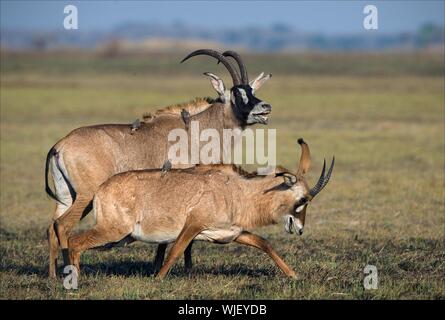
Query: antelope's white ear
(218, 85)
(259, 81)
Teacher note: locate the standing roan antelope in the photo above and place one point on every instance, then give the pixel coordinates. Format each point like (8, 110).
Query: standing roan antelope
(80, 162)
(215, 203)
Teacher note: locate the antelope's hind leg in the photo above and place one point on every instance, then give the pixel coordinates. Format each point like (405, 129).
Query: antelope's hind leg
(66, 223)
(53, 239)
(53, 251)
(93, 238)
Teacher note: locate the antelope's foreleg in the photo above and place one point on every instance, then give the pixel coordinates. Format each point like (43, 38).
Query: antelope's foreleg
(184, 239)
(253, 240)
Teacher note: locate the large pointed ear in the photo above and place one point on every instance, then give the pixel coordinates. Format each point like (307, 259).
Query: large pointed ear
(259, 81)
(217, 84)
(305, 159)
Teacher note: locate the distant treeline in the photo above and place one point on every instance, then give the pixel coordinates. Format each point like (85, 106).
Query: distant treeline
(162, 64)
(275, 38)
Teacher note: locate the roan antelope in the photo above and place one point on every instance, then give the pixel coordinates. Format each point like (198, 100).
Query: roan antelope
(80, 162)
(216, 203)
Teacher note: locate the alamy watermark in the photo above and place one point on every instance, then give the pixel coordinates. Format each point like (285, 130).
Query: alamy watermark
(371, 20)
(208, 147)
(71, 20)
(70, 277)
(371, 280)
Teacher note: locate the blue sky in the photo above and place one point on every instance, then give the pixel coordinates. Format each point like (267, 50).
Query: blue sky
(330, 17)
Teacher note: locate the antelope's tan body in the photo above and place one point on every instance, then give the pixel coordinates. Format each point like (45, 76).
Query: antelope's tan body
(152, 207)
(216, 203)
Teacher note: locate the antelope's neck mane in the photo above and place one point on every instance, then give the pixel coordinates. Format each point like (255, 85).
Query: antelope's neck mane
(193, 107)
(238, 170)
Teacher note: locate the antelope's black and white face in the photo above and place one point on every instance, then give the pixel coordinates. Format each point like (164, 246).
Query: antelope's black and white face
(294, 220)
(301, 194)
(247, 107)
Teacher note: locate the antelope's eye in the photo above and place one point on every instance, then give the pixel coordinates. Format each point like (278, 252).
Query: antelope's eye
(302, 201)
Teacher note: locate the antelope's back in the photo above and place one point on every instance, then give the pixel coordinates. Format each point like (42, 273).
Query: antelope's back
(177, 186)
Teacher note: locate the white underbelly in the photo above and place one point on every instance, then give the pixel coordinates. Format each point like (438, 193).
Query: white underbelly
(210, 235)
(219, 235)
(154, 237)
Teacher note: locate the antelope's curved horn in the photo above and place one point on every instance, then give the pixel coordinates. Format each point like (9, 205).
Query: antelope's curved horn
(239, 61)
(328, 176)
(215, 54)
(323, 180)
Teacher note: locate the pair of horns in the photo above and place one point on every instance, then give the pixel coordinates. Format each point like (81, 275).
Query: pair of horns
(236, 78)
(303, 167)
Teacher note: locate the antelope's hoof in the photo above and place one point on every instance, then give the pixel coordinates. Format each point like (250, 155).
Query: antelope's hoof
(292, 275)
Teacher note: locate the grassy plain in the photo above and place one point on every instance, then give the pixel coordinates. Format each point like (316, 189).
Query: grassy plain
(381, 115)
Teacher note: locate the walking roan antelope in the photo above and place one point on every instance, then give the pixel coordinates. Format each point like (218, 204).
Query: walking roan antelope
(80, 162)
(216, 203)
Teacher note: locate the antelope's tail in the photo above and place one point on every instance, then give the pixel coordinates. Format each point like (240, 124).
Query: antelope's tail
(48, 190)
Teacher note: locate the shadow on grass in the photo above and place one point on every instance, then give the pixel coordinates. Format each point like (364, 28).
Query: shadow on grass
(234, 270)
(121, 268)
(25, 270)
(408, 255)
(118, 268)
(144, 269)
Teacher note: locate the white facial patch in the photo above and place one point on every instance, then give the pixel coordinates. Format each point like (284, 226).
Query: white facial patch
(292, 224)
(243, 95)
(298, 192)
(300, 208)
(298, 224)
(226, 96)
(288, 220)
